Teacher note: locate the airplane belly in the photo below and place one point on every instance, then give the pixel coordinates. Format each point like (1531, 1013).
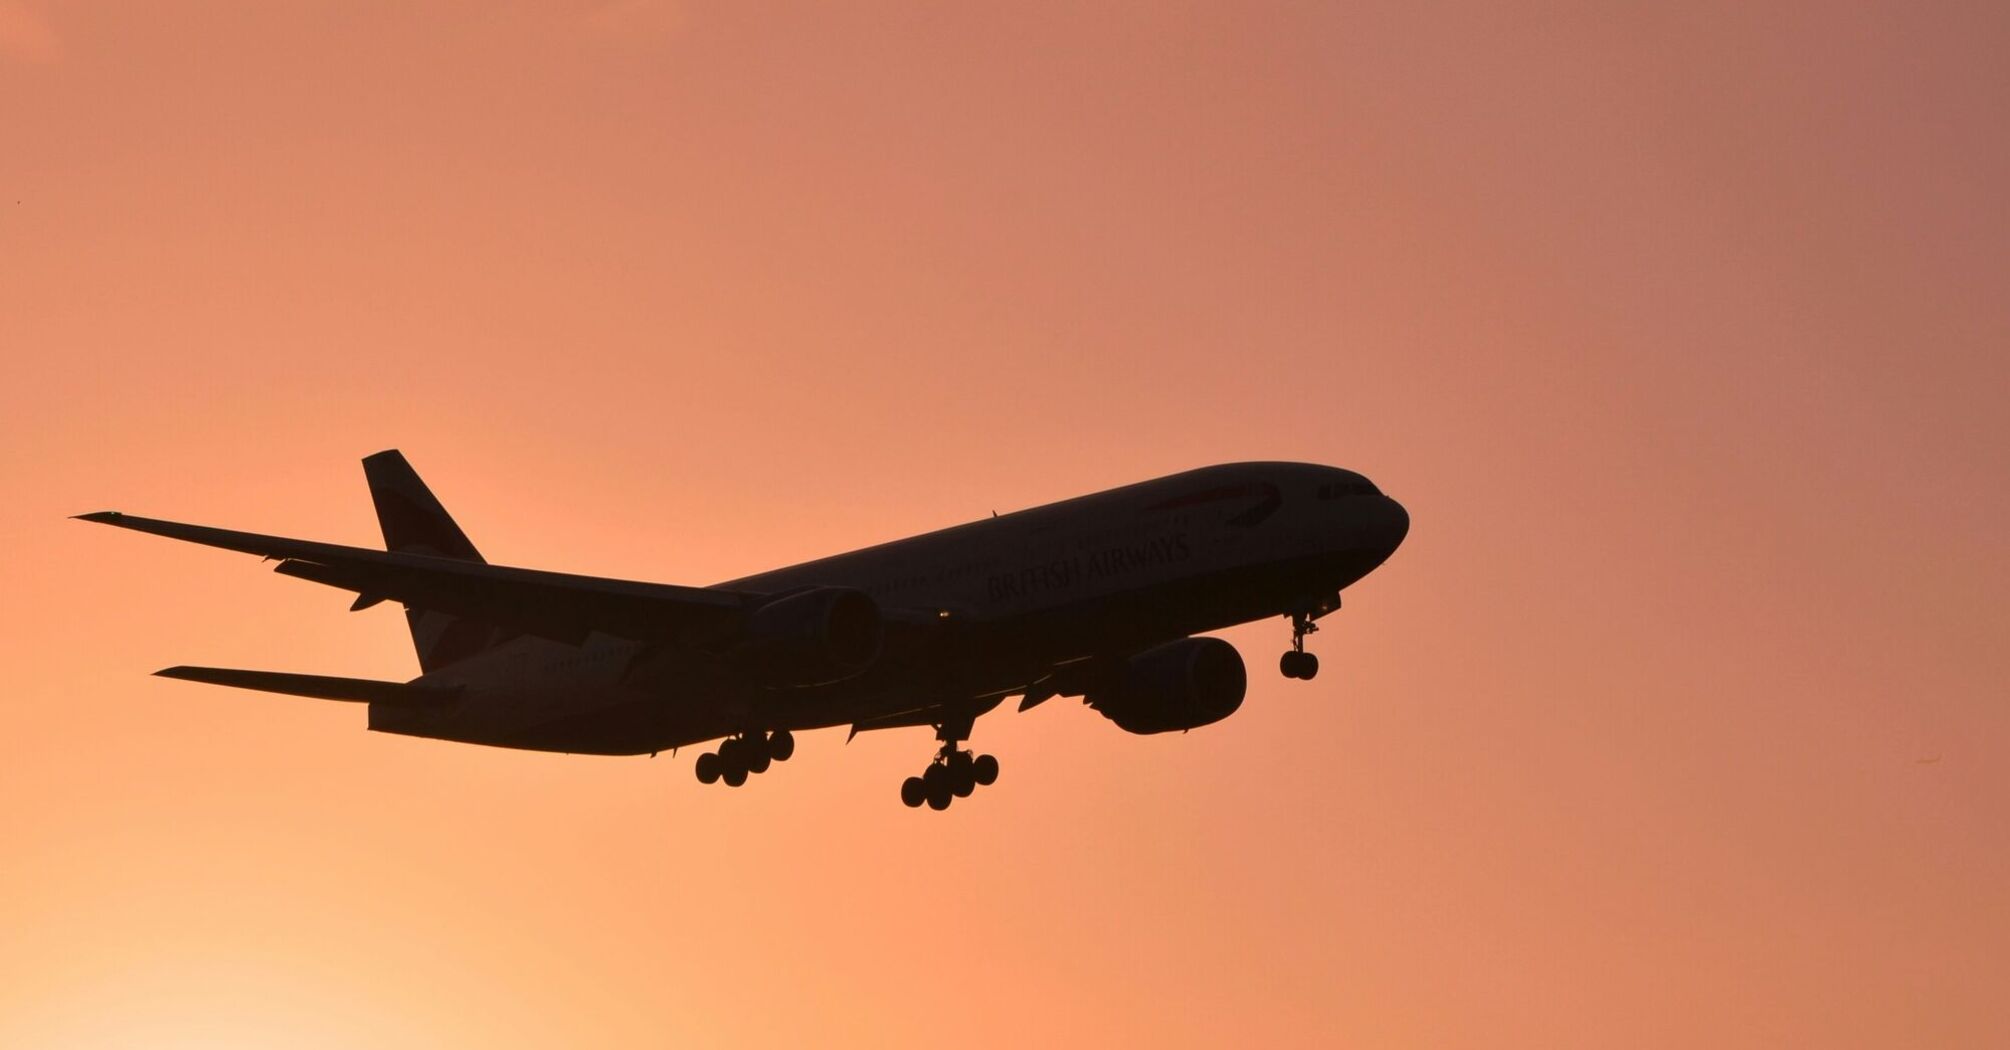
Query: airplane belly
(541, 696)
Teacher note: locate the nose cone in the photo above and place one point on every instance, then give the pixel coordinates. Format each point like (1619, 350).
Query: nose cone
(1392, 526)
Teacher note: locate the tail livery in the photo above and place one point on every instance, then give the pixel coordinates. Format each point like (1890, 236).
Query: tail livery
(414, 522)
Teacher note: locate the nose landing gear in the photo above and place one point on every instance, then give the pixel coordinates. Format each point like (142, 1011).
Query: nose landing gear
(1298, 663)
(748, 753)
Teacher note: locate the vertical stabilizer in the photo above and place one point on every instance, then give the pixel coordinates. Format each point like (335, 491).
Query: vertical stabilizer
(414, 522)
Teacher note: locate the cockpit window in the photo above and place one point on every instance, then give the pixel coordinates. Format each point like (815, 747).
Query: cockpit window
(1337, 489)
(1268, 499)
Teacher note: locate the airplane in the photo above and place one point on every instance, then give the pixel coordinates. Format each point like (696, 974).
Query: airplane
(1106, 597)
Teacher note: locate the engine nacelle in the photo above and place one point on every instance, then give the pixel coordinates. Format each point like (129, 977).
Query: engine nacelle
(1179, 685)
(813, 637)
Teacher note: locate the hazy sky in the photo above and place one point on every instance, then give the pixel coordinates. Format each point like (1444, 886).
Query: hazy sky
(1684, 334)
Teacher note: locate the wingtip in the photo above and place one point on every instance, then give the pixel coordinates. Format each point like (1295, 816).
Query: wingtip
(177, 671)
(102, 517)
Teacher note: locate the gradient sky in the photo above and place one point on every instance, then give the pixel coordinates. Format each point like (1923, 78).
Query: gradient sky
(1684, 334)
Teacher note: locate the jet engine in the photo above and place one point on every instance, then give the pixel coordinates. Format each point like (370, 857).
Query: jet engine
(813, 637)
(1179, 685)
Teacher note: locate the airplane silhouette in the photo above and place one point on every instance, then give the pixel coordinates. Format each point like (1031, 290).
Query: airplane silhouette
(1099, 597)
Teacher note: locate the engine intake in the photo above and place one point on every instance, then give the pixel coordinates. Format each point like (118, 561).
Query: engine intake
(813, 637)
(1176, 686)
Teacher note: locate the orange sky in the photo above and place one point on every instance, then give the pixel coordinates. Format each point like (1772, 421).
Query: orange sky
(1679, 720)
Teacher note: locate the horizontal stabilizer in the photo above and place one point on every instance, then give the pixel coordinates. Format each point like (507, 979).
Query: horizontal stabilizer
(320, 687)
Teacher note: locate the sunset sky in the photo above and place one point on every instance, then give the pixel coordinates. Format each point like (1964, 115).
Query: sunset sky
(1681, 720)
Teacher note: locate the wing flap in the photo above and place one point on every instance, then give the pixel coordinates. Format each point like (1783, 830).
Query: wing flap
(931, 715)
(319, 687)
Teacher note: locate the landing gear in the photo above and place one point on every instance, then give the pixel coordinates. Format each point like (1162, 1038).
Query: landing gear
(740, 756)
(955, 773)
(1298, 663)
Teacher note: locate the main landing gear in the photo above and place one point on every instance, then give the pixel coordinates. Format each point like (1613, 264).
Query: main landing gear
(741, 755)
(954, 773)
(1298, 663)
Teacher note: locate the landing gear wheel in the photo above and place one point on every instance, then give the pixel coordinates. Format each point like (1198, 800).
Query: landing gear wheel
(913, 792)
(1298, 664)
(707, 768)
(782, 745)
(734, 775)
(939, 786)
(757, 755)
(985, 769)
(962, 779)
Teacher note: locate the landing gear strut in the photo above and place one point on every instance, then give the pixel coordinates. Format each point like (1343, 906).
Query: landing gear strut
(738, 756)
(1298, 663)
(954, 773)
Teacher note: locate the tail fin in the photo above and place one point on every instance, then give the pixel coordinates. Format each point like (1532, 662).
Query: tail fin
(414, 522)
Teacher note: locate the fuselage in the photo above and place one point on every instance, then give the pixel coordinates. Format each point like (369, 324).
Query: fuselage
(1006, 600)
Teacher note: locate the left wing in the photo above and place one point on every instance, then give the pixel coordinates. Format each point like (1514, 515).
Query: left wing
(556, 605)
